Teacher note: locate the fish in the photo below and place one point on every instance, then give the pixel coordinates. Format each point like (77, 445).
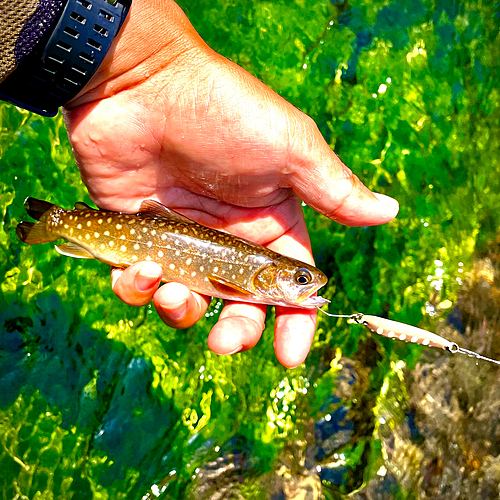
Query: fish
(206, 260)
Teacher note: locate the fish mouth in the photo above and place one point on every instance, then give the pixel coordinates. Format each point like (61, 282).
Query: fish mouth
(315, 301)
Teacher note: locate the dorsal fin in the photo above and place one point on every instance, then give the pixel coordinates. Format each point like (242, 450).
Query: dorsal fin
(79, 205)
(156, 209)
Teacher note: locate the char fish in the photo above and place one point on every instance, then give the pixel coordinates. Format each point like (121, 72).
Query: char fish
(208, 261)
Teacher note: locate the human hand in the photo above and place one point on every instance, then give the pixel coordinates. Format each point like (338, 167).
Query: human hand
(167, 118)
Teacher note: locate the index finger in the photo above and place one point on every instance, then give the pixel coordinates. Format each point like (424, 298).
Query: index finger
(294, 328)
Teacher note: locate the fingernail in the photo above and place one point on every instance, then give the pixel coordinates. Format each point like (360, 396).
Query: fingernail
(234, 351)
(115, 274)
(387, 200)
(178, 311)
(145, 282)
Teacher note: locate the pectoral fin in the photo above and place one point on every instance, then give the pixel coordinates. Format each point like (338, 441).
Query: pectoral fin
(74, 250)
(227, 287)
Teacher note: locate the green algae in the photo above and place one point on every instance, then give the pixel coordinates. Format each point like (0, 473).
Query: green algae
(100, 400)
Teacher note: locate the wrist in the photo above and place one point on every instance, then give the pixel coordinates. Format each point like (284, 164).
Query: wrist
(156, 35)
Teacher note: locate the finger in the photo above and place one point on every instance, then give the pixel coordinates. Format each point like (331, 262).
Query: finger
(239, 328)
(178, 306)
(293, 335)
(137, 284)
(328, 186)
(294, 328)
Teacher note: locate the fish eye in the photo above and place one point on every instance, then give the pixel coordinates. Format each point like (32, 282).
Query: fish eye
(303, 277)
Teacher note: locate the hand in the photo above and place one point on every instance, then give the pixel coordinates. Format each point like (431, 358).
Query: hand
(167, 118)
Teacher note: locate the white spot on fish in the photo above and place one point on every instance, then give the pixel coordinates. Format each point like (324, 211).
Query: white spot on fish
(177, 242)
(89, 223)
(215, 269)
(241, 270)
(109, 219)
(172, 266)
(132, 231)
(148, 257)
(122, 237)
(118, 226)
(182, 272)
(402, 336)
(188, 261)
(233, 276)
(202, 268)
(87, 215)
(163, 236)
(144, 229)
(380, 331)
(111, 243)
(153, 232)
(70, 217)
(136, 246)
(177, 253)
(414, 339)
(160, 253)
(149, 244)
(79, 236)
(87, 236)
(134, 258)
(106, 233)
(103, 246)
(193, 274)
(391, 334)
(425, 342)
(139, 237)
(99, 221)
(123, 248)
(66, 226)
(79, 226)
(97, 235)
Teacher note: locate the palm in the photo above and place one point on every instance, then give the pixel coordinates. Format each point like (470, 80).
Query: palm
(217, 145)
(204, 158)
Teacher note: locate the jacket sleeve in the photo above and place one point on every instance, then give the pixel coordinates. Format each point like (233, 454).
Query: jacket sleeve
(23, 24)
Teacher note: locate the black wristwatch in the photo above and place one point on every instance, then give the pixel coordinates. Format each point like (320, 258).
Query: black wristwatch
(64, 62)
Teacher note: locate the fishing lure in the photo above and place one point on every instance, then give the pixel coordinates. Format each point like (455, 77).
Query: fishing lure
(407, 333)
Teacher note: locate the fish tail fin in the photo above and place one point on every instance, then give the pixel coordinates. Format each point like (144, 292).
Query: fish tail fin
(36, 232)
(38, 209)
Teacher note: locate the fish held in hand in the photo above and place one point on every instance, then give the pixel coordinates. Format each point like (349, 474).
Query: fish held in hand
(208, 261)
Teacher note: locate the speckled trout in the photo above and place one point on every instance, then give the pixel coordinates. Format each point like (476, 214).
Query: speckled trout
(208, 261)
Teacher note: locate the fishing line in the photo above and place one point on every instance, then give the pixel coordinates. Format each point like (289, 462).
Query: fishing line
(407, 333)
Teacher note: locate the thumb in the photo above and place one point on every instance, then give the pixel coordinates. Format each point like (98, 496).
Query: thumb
(327, 185)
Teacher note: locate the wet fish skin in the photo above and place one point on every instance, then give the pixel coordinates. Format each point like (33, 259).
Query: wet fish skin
(208, 261)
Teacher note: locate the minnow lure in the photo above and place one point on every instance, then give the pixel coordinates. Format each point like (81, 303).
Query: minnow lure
(407, 333)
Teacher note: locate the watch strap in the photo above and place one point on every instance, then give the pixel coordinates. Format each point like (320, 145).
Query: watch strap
(62, 64)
